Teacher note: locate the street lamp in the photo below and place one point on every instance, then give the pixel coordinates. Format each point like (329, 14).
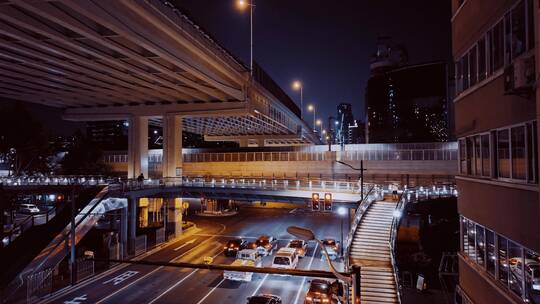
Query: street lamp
(342, 212)
(311, 108)
(319, 123)
(242, 5)
(297, 85)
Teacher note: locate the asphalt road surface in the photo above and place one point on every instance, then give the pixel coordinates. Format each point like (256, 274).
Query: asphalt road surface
(152, 284)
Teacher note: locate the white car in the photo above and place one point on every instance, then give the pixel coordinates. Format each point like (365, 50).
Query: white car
(28, 208)
(285, 258)
(245, 257)
(332, 247)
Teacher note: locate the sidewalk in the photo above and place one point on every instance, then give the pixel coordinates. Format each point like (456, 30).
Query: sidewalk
(216, 213)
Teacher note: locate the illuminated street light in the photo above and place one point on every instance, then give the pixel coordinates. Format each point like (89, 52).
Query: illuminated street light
(242, 5)
(342, 212)
(311, 108)
(297, 85)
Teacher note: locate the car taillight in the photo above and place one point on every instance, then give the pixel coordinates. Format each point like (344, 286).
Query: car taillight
(309, 299)
(235, 248)
(225, 247)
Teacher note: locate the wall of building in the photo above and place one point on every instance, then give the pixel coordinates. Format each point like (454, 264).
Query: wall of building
(489, 108)
(478, 289)
(508, 210)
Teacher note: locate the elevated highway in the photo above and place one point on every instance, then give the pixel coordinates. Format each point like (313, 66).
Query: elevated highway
(142, 62)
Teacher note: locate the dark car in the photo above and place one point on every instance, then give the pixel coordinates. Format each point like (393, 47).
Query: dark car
(233, 246)
(323, 291)
(264, 245)
(264, 299)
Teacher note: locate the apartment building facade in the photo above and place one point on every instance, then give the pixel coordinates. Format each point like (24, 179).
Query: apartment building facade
(496, 52)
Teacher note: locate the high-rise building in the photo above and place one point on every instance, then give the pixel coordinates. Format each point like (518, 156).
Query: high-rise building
(496, 112)
(344, 119)
(408, 104)
(356, 132)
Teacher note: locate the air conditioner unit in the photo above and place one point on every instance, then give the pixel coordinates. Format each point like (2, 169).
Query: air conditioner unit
(519, 77)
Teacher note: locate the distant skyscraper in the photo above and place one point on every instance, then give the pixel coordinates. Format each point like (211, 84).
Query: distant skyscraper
(345, 119)
(407, 104)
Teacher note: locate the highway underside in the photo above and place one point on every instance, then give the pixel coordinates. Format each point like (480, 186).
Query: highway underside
(152, 284)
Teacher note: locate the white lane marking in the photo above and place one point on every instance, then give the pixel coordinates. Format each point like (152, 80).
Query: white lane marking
(212, 290)
(77, 300)
(301, 289)
(184, 245)
(180, 282)
(172, 287)
(121, 278)
(260, 284)
(128, 285)
(158, 268)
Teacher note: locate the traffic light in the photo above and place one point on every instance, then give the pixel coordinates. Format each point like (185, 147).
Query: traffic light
(328, 202)
(315, 202)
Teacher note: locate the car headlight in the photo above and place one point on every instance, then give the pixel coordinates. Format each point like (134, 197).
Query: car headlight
(225, 247)
(325, 300)
(309, 299)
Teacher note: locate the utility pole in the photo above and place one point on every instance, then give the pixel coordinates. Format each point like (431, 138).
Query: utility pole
(72, 262)
(361, 169)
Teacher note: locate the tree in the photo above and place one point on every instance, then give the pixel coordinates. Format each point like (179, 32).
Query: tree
(83, 158)
(23, 142)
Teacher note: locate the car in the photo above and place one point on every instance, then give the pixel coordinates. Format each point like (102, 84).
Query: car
(332, 247)
(323, 291)
(264, 245)
(245, 257)
(285, 258)
(28, 208)
(264, 299)
(233, 246)
(300, 246)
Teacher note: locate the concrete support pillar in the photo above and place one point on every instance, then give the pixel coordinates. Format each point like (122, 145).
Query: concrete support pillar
(172, 146)
(260, 142)
(174, 216)
(132, 224)
(138, 147)
(124, 232)
(244, 142)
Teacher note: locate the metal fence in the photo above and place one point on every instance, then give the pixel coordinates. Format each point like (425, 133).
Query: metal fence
(38, 285)
(160, 236)
(140, 244)
(376, 152)
(85, 269)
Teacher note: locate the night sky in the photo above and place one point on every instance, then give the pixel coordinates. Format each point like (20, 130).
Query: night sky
(325, 44)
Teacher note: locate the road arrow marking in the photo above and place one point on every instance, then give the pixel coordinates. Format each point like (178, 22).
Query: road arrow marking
(185, 244)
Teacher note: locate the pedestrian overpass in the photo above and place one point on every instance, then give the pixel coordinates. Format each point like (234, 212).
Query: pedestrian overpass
(142, 62)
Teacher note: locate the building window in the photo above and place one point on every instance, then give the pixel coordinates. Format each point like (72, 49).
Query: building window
(462, 157)
(530, 24)
(477, 156)
(518, 30)
(503, 260)
(459, 77)
(497, 46)
(472, 66)
(490, 248)
(482, 73)
(480, 248)
(466, 71)
(486, 155)
(470, 156)
(513, 265)
(515, 261)
(532, 154)
(503, 153)
(518, 153)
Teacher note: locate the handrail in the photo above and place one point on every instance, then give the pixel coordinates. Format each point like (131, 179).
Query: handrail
(420, 193)
(365, 202)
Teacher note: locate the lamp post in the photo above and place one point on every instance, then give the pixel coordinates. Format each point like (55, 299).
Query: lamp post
(342, 211)
(242, 4)
(311, 108)
(297, 85)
